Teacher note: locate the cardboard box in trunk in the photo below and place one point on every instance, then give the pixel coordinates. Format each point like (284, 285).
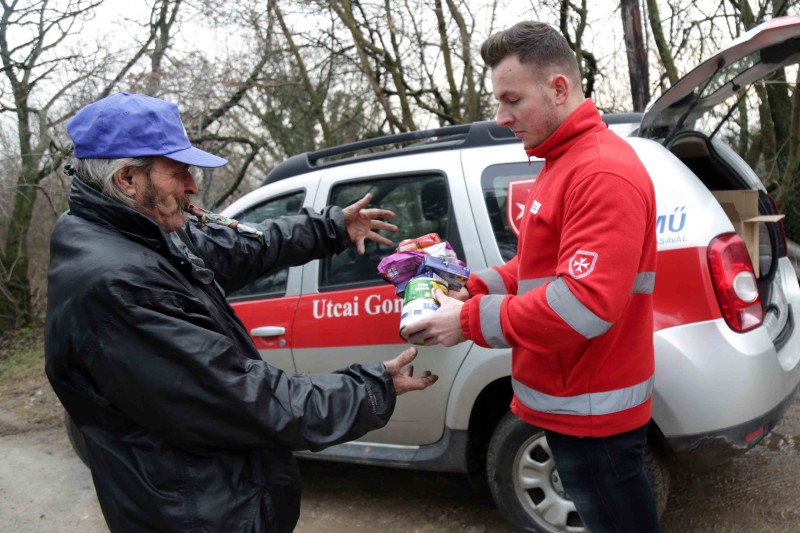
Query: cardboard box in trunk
(742, 208)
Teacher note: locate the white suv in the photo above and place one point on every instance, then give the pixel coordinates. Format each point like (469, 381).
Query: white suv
(726, 345)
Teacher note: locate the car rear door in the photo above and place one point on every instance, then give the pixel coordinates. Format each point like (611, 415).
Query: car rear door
(752, 57)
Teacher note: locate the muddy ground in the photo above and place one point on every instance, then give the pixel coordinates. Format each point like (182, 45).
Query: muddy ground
(44, 487)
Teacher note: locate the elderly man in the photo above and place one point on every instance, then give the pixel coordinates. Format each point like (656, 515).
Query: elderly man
(186, 427)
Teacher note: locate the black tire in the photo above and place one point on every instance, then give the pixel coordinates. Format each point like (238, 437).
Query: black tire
(526, 487)
(76, 439)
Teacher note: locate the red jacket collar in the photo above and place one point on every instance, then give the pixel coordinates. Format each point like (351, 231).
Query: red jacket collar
(584, 119)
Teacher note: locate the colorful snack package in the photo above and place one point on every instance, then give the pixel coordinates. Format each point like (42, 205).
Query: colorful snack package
(454, 275)
(400, 267)
(443, 251)
(419, 243)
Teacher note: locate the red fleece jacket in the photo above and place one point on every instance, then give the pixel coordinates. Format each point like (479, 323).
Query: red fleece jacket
(578, 313)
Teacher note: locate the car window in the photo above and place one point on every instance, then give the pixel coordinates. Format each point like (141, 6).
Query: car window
(422, 205)
(497, 181)
(271, 285)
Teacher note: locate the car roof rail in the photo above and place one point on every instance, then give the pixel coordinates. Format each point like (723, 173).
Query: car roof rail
(475, 134)
(484, 133)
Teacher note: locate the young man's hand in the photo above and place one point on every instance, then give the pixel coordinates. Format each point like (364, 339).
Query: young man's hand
(443, 326)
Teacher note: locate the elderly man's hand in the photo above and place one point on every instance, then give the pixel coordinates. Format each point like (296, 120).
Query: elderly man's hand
(362, 223)
(407, 382)
(443, 326)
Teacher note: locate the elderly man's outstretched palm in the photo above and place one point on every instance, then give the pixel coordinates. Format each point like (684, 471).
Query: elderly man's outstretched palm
(407, 382)
(362, 223)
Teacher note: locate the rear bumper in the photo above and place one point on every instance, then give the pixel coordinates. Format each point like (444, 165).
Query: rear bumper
(707, 450)
(709, 379)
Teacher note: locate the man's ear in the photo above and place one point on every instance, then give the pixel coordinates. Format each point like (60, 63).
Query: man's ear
(560, 86)
(124, 180)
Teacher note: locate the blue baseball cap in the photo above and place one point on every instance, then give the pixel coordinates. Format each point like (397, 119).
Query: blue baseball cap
(134, 125)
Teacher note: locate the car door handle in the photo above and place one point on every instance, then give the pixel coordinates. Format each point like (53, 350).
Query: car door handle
(268, 331)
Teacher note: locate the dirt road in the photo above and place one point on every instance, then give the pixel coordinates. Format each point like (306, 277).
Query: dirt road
(44, 487)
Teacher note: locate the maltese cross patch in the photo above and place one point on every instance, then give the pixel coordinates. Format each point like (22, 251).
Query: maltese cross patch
(582, 264)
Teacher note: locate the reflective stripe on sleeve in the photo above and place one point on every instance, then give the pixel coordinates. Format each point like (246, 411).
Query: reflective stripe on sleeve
(593, 403)
(493, 281)
(645, 283)
(490, 321)
(527, 285)
(573, 312)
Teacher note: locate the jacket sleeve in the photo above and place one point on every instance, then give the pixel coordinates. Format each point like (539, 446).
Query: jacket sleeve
(605, 215)
(495, 280)
(238, 258)
(160, 359)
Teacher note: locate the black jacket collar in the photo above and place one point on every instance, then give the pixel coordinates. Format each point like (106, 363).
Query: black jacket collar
(88, 203)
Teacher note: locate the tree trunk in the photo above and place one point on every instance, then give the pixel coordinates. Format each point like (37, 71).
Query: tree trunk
(662, 45)
(636, 52)
(15, 300)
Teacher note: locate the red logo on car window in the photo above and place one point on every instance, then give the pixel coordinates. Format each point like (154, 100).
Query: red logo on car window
(515, 205)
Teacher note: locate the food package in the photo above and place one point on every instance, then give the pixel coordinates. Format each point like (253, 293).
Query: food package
(419, 243)
(453, 274)
(400, 267)
(423, 257)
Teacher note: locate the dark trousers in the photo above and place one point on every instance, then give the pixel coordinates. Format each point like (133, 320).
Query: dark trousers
(606, 480)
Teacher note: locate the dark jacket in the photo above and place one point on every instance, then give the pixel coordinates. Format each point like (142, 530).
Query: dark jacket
(186, 427)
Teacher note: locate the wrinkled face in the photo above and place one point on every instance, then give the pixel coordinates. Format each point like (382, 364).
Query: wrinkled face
(164, 192)
(527, 104)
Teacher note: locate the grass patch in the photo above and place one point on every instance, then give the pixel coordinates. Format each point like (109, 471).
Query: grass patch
(21, 351)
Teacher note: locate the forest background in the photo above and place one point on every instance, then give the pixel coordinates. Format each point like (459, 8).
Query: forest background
(257, 81)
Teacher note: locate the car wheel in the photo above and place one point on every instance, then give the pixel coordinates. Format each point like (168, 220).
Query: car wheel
(76, 438)
(525, 484)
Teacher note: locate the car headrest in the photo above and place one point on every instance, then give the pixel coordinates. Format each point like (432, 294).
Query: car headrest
(434, 199)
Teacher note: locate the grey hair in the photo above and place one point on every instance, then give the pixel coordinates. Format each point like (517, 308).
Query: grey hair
(99, 174)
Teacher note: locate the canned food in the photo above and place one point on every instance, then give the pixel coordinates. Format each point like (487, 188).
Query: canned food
(418, 300)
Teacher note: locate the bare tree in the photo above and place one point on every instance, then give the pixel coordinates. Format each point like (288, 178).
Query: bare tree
(636, 53)
(317, 98)
(360, 69)
(661, 44)
(47, 82)
(416, 66)
(27, 67)
(162, 19)
(572, 22)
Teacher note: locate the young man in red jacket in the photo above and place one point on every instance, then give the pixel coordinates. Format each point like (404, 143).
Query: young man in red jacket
(575, 303)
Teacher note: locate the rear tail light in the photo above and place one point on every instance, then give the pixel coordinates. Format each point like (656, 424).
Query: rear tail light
(735, 283)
